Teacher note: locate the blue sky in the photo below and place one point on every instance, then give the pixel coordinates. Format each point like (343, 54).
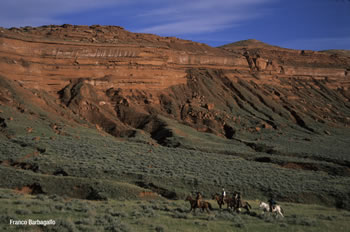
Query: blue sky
(298, 24)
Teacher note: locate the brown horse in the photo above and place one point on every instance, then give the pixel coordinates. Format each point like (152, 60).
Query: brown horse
(204, 205)
(218, 199)
(230, 202)
(238, 205)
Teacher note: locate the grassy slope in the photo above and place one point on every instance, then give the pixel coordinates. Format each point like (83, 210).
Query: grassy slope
(92, 159)
(158, 215)
(121, 168)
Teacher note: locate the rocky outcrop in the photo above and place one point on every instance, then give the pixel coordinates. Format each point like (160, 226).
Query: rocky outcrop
(104, 54)
(122, 81)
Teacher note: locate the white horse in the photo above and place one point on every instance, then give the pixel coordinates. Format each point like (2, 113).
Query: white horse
(275, 209)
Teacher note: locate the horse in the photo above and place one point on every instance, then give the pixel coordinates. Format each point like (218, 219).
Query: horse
(229, 202)
(219, 200)
(242, 204)
(277, 209)
(204, 205)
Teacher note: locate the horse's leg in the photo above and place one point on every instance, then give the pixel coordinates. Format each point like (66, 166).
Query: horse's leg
(275, 212)
(279, 211)
(236, 208)
(232, 207)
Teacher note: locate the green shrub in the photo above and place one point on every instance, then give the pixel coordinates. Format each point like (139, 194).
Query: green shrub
(181, 210)
(160, 229)
(115, 213)
(42, 210)
(180, 215)
(328, 217)
(22, 211)
(86, 228)
(211, 217)
(267, 217)
(17, 202)
(62, 225)
(41, 197)
(84, 221)
(303, 221)
(4, 196)
(55, 197)
(5, 218)
(284, 225)
(116, 226)
(82, 209)
(150, 213)
(156, 207)
(238, 222)
(225, 215)
(59, 207)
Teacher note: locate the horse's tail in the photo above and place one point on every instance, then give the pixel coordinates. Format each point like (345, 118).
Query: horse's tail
(282, 210)
(249, 206)
(209, 206)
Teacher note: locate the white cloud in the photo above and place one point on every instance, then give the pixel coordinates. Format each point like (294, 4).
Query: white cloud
(164, 17)
(189, 26)
(199, 16)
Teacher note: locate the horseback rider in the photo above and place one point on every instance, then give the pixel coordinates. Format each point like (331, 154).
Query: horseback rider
(223, 194)
(237, 200)
(272, 203)
(199, 199)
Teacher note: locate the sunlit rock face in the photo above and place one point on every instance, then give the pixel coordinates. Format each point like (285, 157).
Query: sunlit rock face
(122, 81)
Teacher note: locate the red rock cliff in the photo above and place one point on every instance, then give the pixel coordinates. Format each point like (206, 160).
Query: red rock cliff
(122, 81)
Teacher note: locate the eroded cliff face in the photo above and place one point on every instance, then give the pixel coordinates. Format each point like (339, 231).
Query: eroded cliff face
(56, 55)
(123, 81)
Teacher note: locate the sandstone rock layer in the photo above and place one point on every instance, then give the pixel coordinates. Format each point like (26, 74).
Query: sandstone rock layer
(124, 82)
